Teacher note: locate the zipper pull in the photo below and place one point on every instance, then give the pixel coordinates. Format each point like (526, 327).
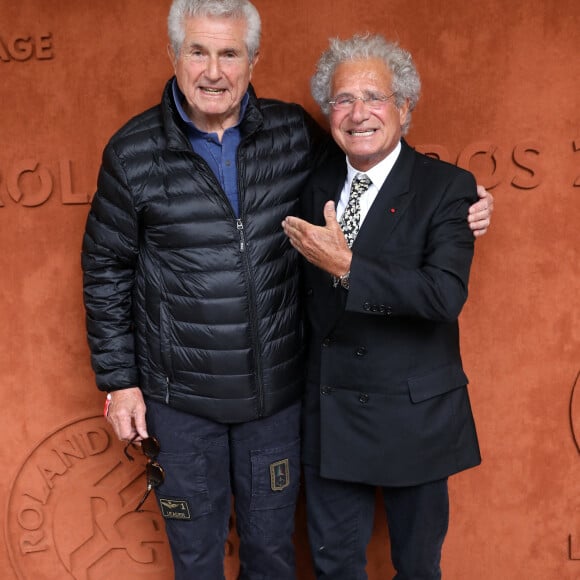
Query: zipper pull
(240, 228)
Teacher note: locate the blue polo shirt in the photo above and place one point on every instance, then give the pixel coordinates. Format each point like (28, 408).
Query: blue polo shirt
(221, 157)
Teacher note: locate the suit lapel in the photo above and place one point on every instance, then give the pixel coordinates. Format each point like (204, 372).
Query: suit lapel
(389, 206)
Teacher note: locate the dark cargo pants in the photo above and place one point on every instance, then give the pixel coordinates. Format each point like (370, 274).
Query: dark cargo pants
(205, 463)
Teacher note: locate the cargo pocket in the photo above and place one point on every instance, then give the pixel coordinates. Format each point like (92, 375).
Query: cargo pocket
(275, 477)
(185, 488)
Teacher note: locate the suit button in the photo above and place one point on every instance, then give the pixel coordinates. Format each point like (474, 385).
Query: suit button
(309, 292)
(360, 351)
(366, 306)
(326, 342)
(374, 308)
(325, 390)
(363, 398)
(389, 311)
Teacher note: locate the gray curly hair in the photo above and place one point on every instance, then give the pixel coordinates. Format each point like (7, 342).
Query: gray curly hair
(182, 9)
(406, 83)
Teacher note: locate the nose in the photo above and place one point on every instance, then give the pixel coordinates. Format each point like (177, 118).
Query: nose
(213, 68)
(359, 110)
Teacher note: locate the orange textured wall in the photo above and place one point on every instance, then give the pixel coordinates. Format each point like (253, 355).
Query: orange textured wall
(501, 84)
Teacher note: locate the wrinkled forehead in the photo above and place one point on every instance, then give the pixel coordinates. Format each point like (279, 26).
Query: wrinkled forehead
(361, 76)
(216, 28)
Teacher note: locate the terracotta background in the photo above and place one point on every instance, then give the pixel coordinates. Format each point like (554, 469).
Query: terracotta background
(501, 84)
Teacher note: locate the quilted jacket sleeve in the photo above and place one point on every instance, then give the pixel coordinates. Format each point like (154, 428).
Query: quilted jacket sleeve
(109, 254)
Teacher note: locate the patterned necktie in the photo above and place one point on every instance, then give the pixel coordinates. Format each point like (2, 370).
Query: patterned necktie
(350, 220)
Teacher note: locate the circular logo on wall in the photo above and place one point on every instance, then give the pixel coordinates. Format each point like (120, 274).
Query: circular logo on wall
(71, 511)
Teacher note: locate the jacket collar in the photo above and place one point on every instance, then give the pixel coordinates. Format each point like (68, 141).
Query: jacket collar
(174, 127)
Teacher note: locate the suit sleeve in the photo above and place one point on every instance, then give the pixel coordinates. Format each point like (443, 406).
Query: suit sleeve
(109, 254)
(429, 278)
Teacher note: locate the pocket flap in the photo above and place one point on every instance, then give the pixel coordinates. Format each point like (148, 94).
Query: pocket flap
(436, 383)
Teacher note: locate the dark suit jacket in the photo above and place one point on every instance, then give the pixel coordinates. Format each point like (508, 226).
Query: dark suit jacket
(387, 394)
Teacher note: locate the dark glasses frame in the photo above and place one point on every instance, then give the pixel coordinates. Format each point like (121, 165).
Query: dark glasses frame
(155, 473)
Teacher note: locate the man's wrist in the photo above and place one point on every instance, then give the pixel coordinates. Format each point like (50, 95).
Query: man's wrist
(343, 280)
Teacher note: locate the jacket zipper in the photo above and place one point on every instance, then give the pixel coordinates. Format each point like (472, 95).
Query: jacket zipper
(240, 228)
(257, 346)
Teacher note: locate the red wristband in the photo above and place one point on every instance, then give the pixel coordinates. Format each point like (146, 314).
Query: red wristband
(107, 405)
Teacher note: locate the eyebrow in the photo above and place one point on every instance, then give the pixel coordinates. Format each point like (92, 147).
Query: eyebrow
(202, 47)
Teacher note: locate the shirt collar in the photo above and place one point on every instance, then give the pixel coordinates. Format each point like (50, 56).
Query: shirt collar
(178, 98)
(378, 173)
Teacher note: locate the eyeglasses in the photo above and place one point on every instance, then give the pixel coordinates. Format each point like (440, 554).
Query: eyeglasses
(154, 471)
(371, 100)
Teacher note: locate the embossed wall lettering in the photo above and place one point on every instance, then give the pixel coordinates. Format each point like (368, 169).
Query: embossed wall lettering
(525, 157)
(576, 146)
(77, 475)
(31, 183)
(573, 549)
(520, 167)
(574, 540)
(26, 46)
(575, 412)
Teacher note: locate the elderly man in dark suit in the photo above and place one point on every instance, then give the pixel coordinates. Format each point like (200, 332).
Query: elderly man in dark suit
(387, 402)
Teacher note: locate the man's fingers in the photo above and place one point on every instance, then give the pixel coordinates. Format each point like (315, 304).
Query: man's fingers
(141, 425)
(479, 216)
(127, 414)
(485, 202)
(292, 224)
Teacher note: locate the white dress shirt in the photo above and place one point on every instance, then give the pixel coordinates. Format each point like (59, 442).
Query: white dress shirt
(377, 174)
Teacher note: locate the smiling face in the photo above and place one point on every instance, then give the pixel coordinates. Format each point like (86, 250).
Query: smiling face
(213, 71)
(367, 135)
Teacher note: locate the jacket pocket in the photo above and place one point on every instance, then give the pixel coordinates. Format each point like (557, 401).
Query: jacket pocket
(437, 382)
(164, 339)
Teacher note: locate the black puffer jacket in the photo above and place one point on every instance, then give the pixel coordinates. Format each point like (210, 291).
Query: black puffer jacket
(196, 307)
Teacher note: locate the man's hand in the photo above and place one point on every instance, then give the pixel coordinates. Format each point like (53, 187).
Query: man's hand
(479, 216)
(126, 414)
(325, 247)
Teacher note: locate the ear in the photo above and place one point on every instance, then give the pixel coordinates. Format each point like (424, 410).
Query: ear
(254, 62)
(403, 112)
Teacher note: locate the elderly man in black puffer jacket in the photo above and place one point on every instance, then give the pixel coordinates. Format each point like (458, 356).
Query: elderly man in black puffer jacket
(191, 292)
